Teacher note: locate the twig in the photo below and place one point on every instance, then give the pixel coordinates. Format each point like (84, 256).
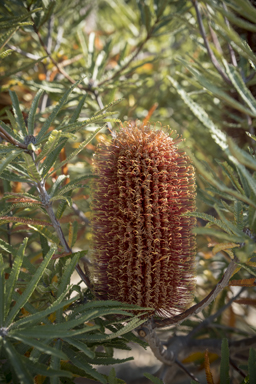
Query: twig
(161, 353)
(186, 371)
(80, 214)
(204, 303)
(210, 53)
(209, 319)
(5, 135)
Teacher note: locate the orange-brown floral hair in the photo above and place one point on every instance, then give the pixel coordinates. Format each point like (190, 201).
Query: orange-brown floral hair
(143, 245)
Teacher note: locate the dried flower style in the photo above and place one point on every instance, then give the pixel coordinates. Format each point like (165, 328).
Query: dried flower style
(144, 248)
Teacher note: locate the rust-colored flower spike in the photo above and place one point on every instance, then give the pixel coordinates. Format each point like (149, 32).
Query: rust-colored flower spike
(143, 245)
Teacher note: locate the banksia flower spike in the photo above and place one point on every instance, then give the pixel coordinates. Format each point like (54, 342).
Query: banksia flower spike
(143, 245)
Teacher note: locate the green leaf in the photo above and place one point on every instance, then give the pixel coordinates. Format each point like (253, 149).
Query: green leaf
(11, 282)
(152, 378)
(23, 68)
(47, 12)
(46, 233)
(72, 184)
(6, 53)
(242, 156)
(18, 365)
(41, 369)
(42, 347)
(55, 112)
(252, 365)
(210, 219)
(80, 362)
(51, 331)
(10, 131)
(2, 291)
(224, 364)
(65, 279)
(244, 8)
(55, 361)
(77, 150)
(31, 167)
(41, 315)
(81, 346)
(50, 145)
(228, 170)
(30, 287)
(7, 247)
(218, 92)
(218, 234)
(32, 112)
(112, 376)
(15, 153)
(7, 36)
(57, 184)
(52, 157)
(220, 186)
(240, 86)
(78, 110)
(218, 136)
(17, 113)
(248, 268)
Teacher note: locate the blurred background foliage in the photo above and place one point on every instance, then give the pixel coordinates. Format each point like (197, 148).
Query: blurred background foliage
(155, 61)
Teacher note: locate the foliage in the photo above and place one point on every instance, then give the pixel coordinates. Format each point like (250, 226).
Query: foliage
(65, 65)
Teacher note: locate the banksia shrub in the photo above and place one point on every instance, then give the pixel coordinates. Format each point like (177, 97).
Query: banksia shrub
(143, 245)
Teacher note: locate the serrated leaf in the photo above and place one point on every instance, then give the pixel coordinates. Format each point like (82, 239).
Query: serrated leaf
(5, 53)
(243, 283)
(230, 173)
(31, 167)
(23, 220)
(218, 136)
(52, 157)
(56, 184)
(7, 247)
(219, 185)
(42, 347)
(240, 86)
(45, 232)
(41, 369)
(17, 113)
(55, 112)
(19, 367)
(81, 363)
(23, 68)
(72, 233)
(72, 184)
(29, 288)
(15, 153)
(39, 316)
(32, 112)
(11, 282)
(81, 346)
(242, 156)
(152, 378)
(77, 150)
(218, 234)
(223, 247)
(210, 219)
(50, 145)
(7, 36)
(248, 268)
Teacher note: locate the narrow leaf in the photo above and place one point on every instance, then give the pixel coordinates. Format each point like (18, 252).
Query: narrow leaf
(55, 112)
(15, 153)
(32, 112)
(224, 364)
(42, 347)
(152, 378)
(18, 365)
(30, 287)
(81, 346)
(17, 113)
(2, 291)
(252, 365)
(11, 282)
